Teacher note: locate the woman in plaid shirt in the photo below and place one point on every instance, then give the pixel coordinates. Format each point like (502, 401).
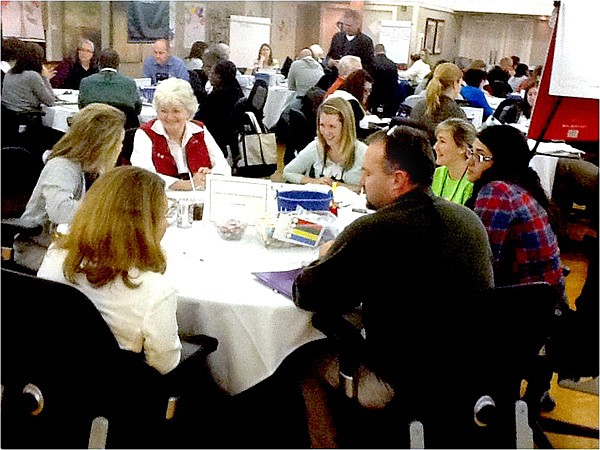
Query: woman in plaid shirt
(510, 201)
(512, 205)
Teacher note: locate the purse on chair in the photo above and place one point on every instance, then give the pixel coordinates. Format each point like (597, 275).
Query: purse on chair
(258, 150)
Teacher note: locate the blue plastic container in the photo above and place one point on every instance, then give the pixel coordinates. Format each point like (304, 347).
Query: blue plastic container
(263, 76)
(310, 200)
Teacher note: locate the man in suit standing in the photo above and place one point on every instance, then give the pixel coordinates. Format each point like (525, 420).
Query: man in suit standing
(351, 41)
(110, 87)
(384, 99)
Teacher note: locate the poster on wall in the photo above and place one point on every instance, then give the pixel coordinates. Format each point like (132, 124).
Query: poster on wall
(148, 21)
(195, 23)
(22, 20)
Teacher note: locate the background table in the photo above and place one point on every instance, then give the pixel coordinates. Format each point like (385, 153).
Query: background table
(57, 115)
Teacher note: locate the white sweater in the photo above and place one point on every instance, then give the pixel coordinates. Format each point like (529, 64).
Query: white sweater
(143, 318)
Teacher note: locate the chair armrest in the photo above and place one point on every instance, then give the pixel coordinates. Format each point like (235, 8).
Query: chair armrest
(12, 226)
(347, 338)
(193, 364)
(15, 225)
(206, 344)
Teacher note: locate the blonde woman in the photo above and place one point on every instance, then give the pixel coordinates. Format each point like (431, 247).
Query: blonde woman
(112, 254)
(439, 104)
(454, 138)
(335, 154)
(89, 148)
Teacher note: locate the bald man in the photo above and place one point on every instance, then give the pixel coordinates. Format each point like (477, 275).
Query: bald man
(304, 73)
(162, 65)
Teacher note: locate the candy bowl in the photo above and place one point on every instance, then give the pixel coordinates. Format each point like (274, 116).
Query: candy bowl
(231, 229)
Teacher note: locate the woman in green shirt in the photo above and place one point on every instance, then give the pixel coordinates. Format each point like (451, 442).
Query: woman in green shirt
(454, 136)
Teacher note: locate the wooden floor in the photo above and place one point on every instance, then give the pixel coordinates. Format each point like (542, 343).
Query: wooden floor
(573, 406)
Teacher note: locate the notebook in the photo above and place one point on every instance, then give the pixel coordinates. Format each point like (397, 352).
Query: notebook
(281, 282)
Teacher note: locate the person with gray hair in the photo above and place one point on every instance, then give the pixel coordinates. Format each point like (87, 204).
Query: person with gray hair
(180, 150)
(304, 73)
(111, 87)
(73, 69)
(346, 66)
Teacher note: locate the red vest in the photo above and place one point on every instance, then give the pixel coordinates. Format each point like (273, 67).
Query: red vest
(164, 163)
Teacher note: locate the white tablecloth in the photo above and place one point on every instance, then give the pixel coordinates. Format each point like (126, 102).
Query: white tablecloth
(56, 116)
(277, 99)
(218, 296)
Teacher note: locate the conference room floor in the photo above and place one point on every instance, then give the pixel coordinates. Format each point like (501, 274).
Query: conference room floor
(573, 406)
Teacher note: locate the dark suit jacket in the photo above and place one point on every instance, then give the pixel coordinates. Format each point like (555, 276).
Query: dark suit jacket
(385, 86)
(361, 46)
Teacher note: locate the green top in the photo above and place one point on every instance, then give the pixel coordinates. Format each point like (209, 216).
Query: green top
(457, 191)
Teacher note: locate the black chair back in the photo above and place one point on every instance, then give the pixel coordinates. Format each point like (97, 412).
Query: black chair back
(55, 339)
(258, 98)
(124, 158)
(490, 346)
(20, 170)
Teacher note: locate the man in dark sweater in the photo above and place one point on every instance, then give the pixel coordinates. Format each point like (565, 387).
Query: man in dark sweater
(415, 301)
(351, 41)
(113, 88)
(385, 97)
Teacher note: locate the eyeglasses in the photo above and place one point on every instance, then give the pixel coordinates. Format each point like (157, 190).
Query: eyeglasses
(85, 50)
(481, 158)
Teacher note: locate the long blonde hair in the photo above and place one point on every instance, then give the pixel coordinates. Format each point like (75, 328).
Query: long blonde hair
(117, 228)
(339, 107)
(443, 77)
(94, 138)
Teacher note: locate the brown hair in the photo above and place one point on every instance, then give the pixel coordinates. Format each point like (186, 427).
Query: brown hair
(117, 228)
(94, 138)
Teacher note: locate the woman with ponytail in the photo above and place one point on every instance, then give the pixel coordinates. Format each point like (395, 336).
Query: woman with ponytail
(438, 104)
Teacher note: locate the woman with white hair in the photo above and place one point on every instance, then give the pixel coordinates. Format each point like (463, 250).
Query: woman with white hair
(181, 150)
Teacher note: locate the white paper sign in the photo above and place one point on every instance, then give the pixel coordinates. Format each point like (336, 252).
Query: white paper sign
(395, 36)
(574, 73)
(246, 199)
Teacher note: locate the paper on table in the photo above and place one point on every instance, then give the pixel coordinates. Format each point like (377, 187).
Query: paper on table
(281, 281)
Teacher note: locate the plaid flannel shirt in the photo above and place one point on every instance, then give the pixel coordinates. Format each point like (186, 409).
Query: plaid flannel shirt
(524, 247)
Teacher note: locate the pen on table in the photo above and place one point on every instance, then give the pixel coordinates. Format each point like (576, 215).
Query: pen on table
(192, 180)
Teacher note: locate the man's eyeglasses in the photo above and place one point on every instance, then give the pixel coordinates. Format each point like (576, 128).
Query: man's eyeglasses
(85, 50)
(481, 158)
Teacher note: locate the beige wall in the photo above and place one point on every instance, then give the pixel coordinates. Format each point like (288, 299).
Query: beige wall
(294, 25)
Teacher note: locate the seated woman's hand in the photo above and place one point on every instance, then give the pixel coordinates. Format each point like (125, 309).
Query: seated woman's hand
(323, 180)
(199, 178)
(48, 72)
